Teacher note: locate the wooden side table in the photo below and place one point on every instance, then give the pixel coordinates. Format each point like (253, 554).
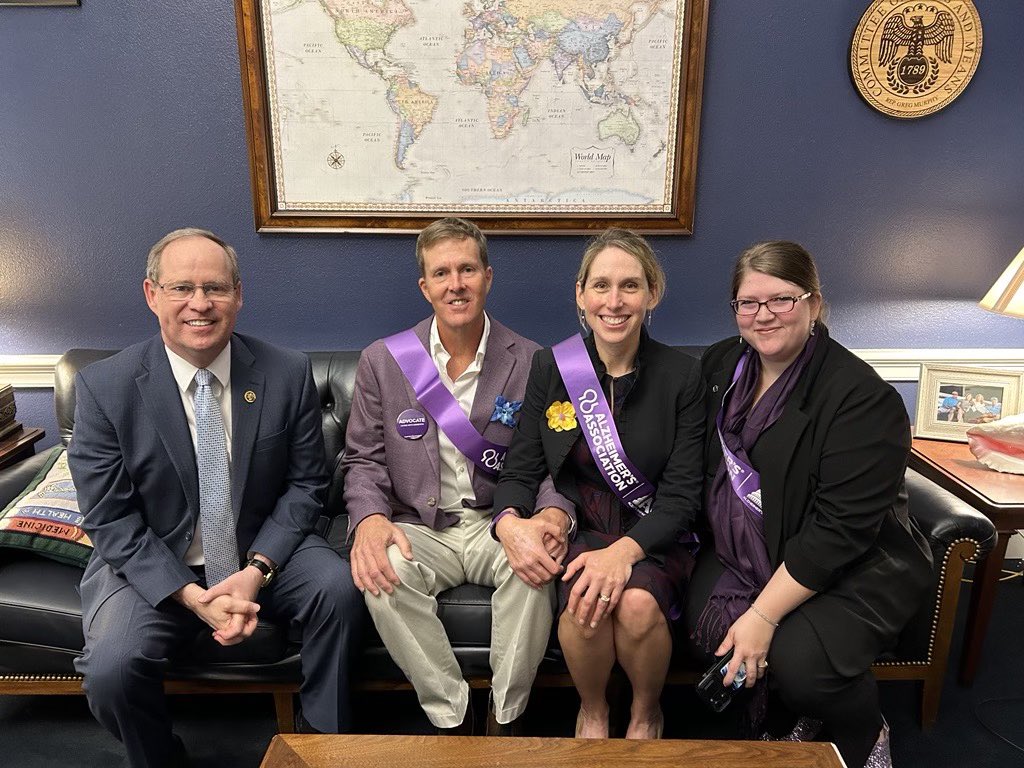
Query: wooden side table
(997, 495)
(19, 445)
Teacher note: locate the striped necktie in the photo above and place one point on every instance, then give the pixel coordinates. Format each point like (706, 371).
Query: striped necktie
(220, 547)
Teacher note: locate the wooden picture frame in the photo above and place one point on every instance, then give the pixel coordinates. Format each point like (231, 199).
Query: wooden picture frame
(952, 399)
(274, 212)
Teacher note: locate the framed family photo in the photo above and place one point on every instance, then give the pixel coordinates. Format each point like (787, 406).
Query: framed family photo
(951, 400)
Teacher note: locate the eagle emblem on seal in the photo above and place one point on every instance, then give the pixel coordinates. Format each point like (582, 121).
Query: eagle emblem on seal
(928, 26)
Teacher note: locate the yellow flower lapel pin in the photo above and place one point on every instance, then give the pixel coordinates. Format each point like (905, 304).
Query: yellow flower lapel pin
(561, 416)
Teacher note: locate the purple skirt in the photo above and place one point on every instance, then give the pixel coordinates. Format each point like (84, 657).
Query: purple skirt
(602, 521)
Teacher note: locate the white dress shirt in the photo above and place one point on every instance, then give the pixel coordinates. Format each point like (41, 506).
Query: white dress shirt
(184, 375)
(456, 469)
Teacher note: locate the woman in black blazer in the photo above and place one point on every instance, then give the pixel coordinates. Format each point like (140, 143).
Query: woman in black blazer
(820, 580)
(626, 567)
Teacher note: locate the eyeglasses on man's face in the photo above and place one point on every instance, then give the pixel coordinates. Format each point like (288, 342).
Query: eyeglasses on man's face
(779, 305)
(185, 291)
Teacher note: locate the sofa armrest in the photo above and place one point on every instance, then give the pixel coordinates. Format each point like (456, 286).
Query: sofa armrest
(944, 519)
(15, 478)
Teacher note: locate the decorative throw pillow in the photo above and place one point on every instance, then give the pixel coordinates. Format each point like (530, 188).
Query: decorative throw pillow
(45, 517)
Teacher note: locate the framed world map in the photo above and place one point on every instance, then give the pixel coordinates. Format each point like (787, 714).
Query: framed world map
(527, 116)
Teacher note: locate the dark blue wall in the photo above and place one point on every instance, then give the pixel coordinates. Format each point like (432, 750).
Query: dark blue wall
(121, 121)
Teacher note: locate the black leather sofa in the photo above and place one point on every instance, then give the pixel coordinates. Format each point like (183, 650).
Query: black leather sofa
(40, 611)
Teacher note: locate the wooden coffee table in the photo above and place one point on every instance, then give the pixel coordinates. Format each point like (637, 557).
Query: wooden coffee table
(304, 751)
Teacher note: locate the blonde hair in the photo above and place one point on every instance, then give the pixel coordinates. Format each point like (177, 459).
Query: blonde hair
(635, 246)
(450, 228)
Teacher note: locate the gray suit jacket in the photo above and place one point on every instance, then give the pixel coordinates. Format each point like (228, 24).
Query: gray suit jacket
(134, 466)
(401, 479)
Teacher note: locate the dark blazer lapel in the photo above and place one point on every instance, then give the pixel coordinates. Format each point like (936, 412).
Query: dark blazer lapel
(717, 384)
(558, 443)
(780, 442)
(245, 416)
(162, 400)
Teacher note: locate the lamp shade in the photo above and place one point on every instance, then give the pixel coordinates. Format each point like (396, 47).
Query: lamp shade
(1006, 296)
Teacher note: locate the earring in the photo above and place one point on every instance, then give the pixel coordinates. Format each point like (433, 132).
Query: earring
(650, 316)
(813, 323)
(583, 319)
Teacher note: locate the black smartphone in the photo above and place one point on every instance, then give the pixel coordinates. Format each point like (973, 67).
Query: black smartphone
(712, 691)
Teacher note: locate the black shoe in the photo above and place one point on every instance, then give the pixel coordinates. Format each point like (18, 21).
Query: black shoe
(494, 728)
(179, 757)
(463, 729)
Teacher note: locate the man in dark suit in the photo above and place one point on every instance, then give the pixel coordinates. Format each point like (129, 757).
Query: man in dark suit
(199, 463)
(419, 498)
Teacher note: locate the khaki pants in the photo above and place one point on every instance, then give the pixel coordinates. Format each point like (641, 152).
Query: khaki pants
(407, 620)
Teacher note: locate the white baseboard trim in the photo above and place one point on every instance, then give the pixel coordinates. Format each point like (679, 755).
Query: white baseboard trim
(905, 364)
(36, 371)
(28, 371)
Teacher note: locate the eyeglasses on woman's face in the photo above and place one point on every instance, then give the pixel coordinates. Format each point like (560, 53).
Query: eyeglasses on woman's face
(779, 305)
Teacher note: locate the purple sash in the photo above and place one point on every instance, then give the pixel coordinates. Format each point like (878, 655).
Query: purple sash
(421, 373)
(633, 489)
(744, 479)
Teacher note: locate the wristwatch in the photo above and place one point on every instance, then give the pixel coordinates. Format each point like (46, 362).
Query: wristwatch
(262, 567)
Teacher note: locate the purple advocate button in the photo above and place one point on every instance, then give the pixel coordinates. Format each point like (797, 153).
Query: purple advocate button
(412, 425)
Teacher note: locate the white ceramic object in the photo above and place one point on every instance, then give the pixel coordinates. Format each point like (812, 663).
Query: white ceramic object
(999, 444)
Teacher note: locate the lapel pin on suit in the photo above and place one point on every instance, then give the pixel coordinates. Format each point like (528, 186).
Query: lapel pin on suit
(561, 416)
(250, 396)
(505, 410)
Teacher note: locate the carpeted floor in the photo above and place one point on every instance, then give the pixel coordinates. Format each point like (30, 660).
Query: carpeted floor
(228, 731)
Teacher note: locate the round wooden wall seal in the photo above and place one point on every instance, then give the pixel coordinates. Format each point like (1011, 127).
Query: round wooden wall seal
(910, 59)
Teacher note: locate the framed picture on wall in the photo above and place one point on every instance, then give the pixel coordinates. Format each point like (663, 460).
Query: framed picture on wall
(540, 117)
(950, 400)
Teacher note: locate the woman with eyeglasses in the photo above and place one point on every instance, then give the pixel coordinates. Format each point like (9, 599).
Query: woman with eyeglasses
(815, 565)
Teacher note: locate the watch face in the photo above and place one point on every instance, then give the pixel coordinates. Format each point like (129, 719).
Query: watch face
(266, 570)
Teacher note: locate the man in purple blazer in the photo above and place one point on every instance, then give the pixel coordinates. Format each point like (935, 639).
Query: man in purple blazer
(433, 409)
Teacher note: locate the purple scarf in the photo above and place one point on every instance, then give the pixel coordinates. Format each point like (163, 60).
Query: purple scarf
(739, 532)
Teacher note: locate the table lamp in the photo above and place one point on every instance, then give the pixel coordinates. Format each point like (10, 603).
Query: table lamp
(1006, 296)
(1000, 444)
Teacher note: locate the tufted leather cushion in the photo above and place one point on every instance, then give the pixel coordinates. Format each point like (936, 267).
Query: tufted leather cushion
(335, 377)
(40, 612)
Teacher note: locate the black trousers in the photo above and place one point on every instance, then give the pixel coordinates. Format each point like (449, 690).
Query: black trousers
(800, 675)
(129, 645)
